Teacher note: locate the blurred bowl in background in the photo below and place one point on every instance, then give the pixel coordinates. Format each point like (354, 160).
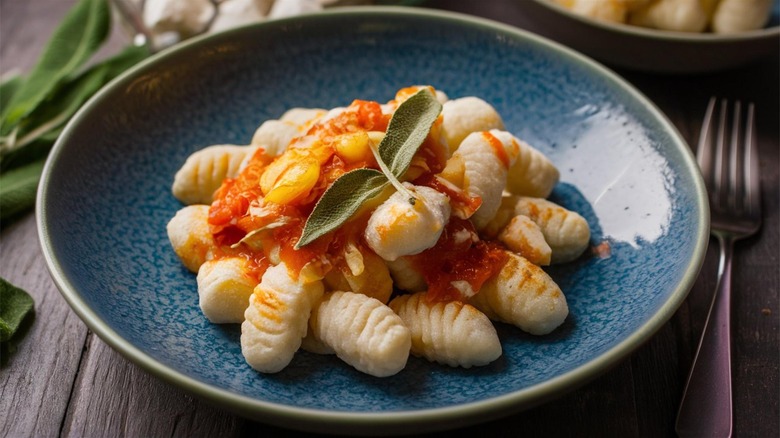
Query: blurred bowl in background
(651, 50)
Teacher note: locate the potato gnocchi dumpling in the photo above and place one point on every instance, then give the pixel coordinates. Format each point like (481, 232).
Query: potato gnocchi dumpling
(276, 319)
(362, 331)
(533, 174)
(274, 135)
(224, 288)
(487, 157)
(451, 333)
(717, 16)
(566, 231)
(203, 172)
(427, 248)
(734, 16)
(461, 117)
(190, 236)
(523, 295)
(524, 237)
(398, 228)
(371, 279)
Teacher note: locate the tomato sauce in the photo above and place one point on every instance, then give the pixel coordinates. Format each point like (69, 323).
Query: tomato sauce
(230, 219)
(259, 232)
(457, 257)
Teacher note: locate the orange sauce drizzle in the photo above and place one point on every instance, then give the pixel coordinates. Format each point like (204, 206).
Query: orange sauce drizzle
(456, 259)
(451, 259)
(498, 148)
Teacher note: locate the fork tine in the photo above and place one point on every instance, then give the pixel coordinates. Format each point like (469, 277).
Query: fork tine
(704, 148)
(736, 183)
(720, 178)
(752, 176)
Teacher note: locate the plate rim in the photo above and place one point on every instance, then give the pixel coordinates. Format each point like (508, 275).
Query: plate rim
(430, 419)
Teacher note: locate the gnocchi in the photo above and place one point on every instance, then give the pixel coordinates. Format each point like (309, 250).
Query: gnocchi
(717, 16)
(452, 333)
(443, 250)
(276, 319)
(363, 332)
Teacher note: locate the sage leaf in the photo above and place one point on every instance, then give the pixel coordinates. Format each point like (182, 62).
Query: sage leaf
(68, 97)
(340, 201)
(8, 88)
(406, 131)
(17, 189)
(78, 36)
(15, 305)
(408, 128)
(36, 150)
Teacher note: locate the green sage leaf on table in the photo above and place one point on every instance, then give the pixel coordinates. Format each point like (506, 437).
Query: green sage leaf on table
(15, 305)
(75, 40)
(17, 189)
(21, 162)
(63, 103)
(8, 88)
(407, 130)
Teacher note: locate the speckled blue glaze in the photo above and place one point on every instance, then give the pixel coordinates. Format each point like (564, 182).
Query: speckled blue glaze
(105, 200)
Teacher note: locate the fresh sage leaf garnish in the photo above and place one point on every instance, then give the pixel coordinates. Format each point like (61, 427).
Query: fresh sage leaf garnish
(340, 201)
(407, 130)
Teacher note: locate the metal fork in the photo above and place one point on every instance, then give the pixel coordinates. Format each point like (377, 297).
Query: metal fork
(728, 156)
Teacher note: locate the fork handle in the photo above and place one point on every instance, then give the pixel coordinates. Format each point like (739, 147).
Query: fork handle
(705, 409)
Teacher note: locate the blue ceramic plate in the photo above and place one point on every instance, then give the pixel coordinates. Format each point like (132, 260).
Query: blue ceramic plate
(653, 50)
(105, 199)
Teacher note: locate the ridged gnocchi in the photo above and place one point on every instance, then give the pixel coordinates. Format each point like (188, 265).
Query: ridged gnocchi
(524, 237)
(462, 116)
(190, 236)
(532, 174)
(566, 232)
(362, 331)
(523, 295)
(717, 16)
(443, 249)
(451, 333)
(224, 288)
(276, 319)
(203, 172)
(487, 157)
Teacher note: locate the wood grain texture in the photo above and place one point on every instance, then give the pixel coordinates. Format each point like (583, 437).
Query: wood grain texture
(36, 379)
(123, 400)
(64, 381)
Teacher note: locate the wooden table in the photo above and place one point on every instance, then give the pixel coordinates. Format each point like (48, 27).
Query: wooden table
(63, 380)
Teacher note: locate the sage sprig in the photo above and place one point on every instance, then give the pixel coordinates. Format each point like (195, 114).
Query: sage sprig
(78, 36)
(34, 108)
(406, 132)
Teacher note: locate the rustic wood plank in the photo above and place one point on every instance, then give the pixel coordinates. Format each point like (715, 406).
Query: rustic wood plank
(36, 379)
(113, 397)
